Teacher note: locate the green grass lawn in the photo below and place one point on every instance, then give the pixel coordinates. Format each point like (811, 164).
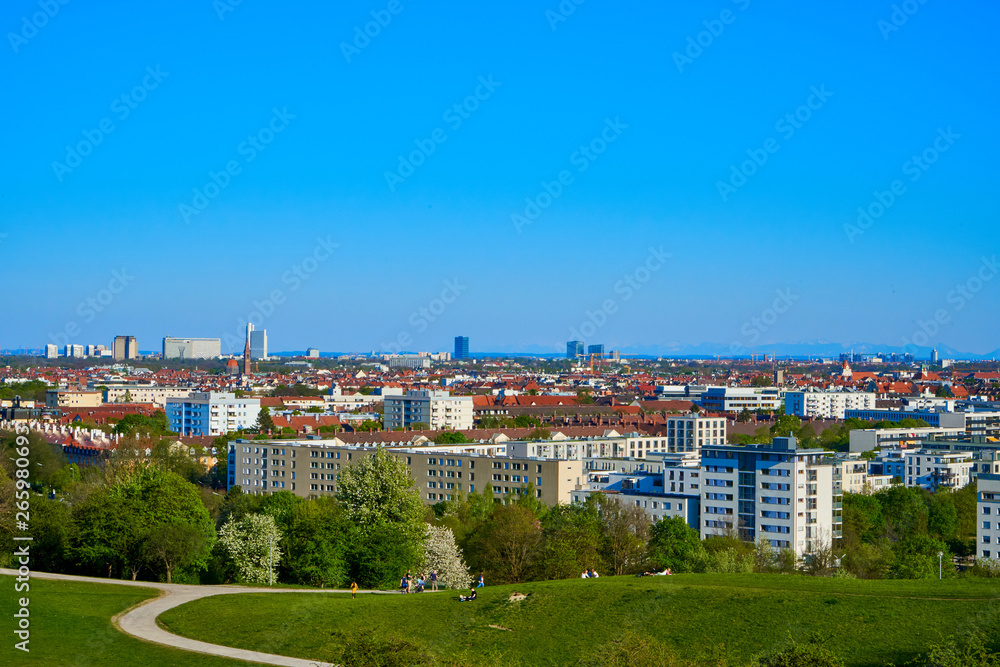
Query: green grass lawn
(563, 622)
(71, 627)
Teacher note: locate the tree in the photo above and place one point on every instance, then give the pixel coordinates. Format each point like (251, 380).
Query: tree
(112, 526)
(378, 498)
(173, 545)
(450, 438)
(624, 528)
(314, 541)
(786, 424)
(572, 541)
(508, 543)
(442, 554)
(135, 424)
(538, 434)
(264, 422)
(674, 544)
(251, 544)
(583, 397)
(760, 381)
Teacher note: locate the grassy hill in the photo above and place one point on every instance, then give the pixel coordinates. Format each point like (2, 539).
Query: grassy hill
(697, 617)
(71, 627)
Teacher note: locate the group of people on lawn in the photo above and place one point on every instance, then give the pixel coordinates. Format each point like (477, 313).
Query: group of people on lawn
(408, 585)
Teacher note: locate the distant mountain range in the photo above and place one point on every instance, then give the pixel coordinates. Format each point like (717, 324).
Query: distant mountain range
(814, 349)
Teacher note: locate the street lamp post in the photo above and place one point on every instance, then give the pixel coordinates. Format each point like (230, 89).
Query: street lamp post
(940, 555)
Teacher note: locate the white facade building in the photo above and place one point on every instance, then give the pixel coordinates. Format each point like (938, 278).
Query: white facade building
(737, 399)
(826, 404)
(438, 409)
(788, 496)
(690, 433)
(930, 470)
(988, 517)
(211, 413)
(191, 348)
(144, 394)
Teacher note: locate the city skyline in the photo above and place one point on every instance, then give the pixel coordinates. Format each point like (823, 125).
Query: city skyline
(741, 175)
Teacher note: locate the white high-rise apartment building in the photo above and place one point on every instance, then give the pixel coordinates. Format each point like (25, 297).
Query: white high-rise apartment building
(988, 517)
(791, 497)
(437, 409)
(211, 413)
(827, 404)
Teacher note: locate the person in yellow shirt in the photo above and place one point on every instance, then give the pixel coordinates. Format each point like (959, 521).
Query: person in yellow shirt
(354, 590)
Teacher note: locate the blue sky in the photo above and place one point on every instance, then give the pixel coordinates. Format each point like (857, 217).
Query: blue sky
(673, 127)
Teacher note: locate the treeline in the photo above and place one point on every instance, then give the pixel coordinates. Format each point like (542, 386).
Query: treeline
(898, 533)
(835, 438)
(142, 516)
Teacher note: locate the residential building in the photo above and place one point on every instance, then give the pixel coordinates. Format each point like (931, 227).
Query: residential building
(143, 393)
(826, 404)
(689, 433)
(671, 490)
(437, 409)
(461, 347)
(211, 413)
(788, 496)
(191, 348)
(74, 351)
(867, 439)
(574, 349)
(69, 398)
(51, 351)
(312, 353)
(931, 470)
(124, 348)
(936, 419)
(855, 478)
(988, 517)
(311, 469)
(737, 399)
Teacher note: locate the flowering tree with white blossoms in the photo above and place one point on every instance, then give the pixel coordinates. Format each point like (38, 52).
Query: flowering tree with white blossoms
(252, 544)
(442, 554)
(377, 495)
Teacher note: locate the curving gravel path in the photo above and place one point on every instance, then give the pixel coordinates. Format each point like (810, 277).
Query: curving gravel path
(140, 620)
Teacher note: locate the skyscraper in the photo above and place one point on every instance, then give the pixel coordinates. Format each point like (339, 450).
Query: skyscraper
(574, 349)
(258, 344)
(596, 350)
(461, 347)
(124, 348)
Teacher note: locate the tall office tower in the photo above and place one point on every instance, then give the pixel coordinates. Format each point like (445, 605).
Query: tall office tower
(461, 347)
(596, 350)
(574, 349)
(258, 344)
(124, 348)
(934, 356)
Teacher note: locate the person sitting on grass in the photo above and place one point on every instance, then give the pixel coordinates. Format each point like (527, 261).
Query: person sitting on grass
(468, 598)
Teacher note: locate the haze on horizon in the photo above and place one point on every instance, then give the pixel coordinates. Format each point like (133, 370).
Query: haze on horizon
(248, 158)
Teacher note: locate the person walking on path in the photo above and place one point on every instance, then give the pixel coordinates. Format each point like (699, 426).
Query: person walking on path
(434, 580)
(354, 590)
(482, 580)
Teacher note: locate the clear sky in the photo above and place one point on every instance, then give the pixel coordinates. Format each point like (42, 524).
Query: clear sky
(642, 110)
